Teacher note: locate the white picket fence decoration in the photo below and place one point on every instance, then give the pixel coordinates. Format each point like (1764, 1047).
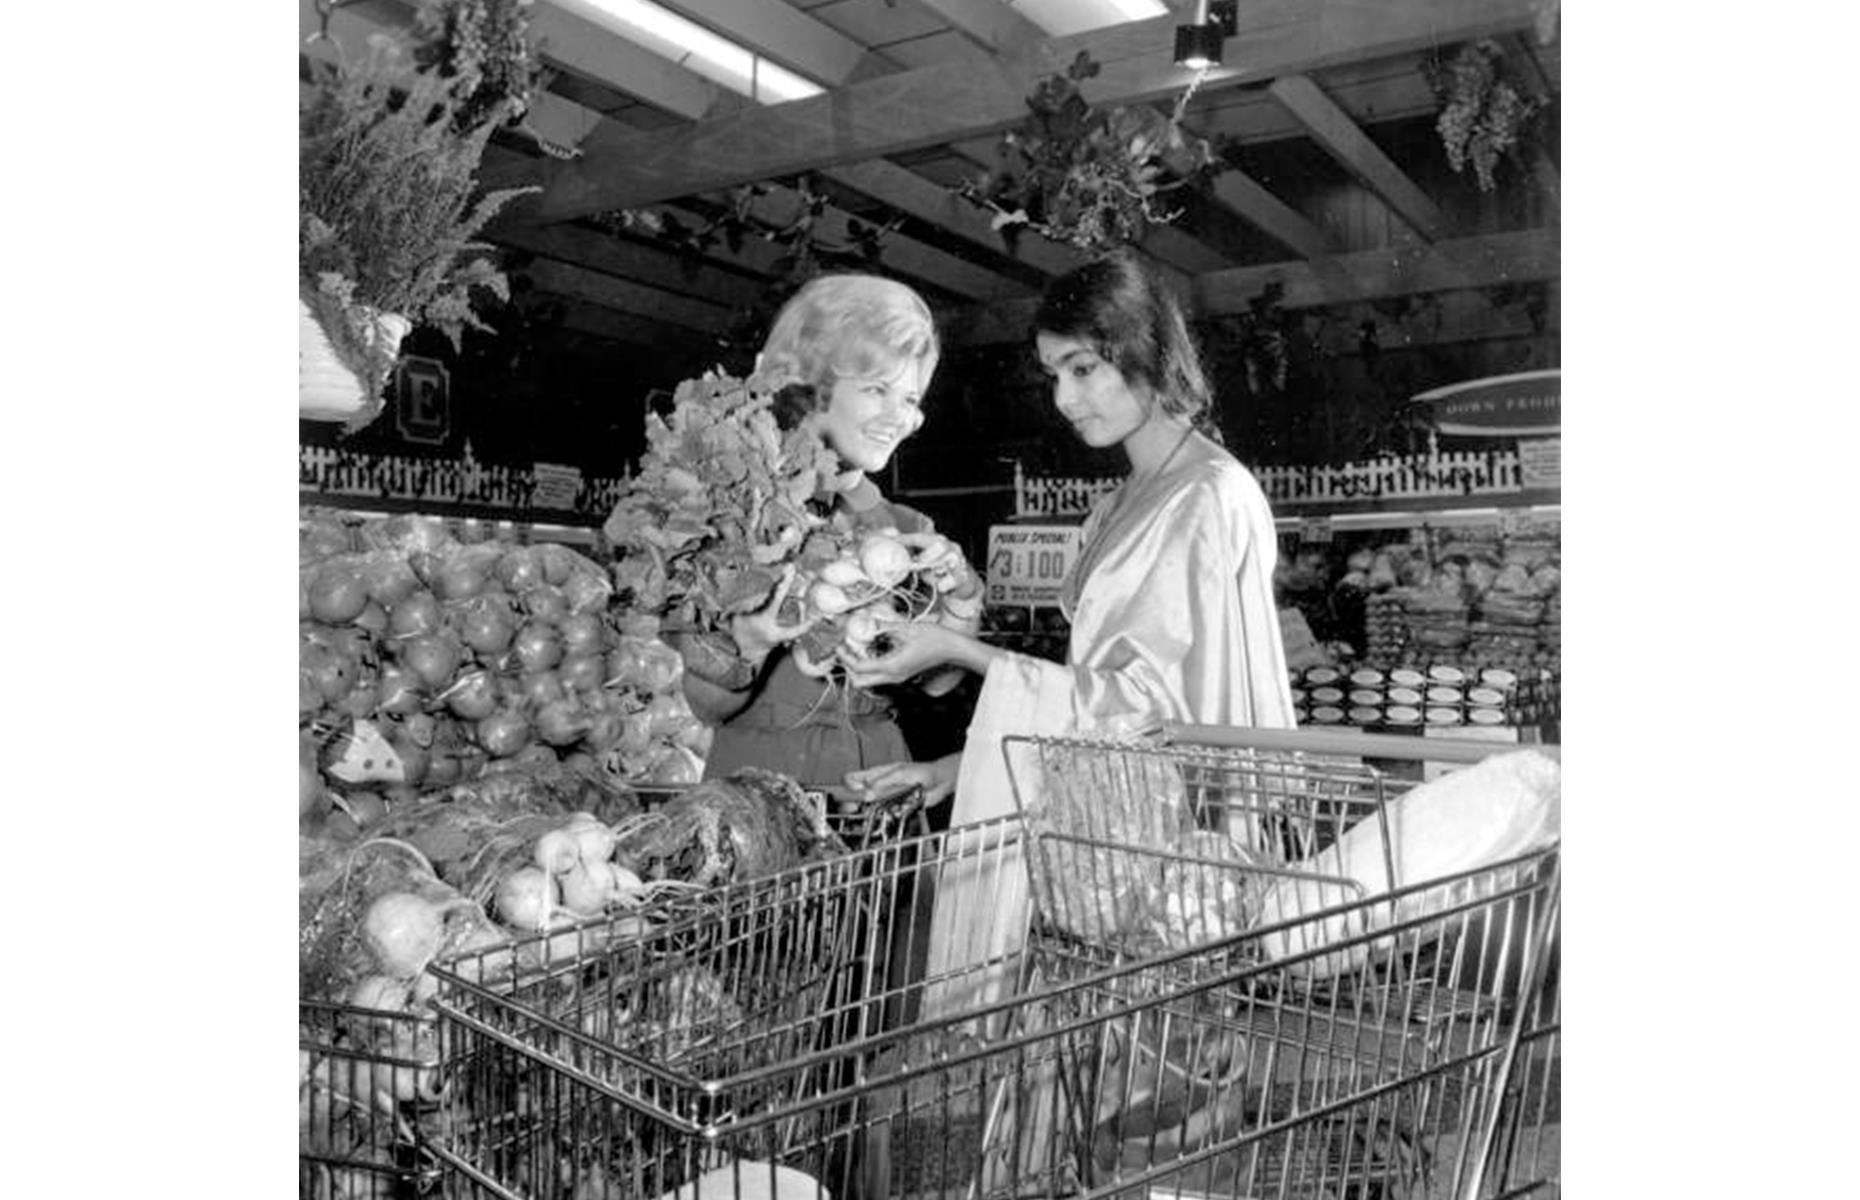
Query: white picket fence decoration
(332, 471)
(1463, 473)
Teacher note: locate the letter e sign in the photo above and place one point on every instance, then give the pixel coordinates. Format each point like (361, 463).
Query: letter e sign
(423, 400)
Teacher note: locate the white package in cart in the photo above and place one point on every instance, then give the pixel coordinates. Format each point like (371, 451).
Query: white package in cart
(1507, 805)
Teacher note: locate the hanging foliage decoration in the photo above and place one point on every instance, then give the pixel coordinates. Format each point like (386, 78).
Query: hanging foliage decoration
(1485, 114)
(1091, 178)
(811, 240)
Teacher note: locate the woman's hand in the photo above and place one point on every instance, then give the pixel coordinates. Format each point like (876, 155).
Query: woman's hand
(761, 631)
(937, 779)
(916, 647)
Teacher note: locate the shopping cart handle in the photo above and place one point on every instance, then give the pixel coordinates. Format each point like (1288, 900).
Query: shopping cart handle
(1355, 745)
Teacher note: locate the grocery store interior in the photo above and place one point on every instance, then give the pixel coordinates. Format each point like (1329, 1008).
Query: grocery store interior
(1242, 889)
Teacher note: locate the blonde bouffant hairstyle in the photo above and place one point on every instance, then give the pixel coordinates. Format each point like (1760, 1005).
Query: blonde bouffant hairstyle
(847, 325)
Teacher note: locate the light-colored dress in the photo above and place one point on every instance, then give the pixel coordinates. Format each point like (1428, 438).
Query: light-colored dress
(1173, 619)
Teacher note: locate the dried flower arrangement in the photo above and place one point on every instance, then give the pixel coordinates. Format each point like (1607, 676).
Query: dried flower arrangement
(388, 203)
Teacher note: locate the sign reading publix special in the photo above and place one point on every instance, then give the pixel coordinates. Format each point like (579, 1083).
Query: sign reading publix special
(1529, 404)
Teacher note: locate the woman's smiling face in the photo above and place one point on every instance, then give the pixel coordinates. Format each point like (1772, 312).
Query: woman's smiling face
(866, 416)
(1089, 392)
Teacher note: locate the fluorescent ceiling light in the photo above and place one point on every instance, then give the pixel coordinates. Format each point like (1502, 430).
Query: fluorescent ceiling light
(689, 44)
(1060, 18)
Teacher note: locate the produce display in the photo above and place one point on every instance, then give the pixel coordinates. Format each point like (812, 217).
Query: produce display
(727, 514)
(501, 878)
(424, 661)
(1473, 598)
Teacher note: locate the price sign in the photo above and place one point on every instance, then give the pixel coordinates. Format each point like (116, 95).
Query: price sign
(556, 487)
(1027, 562)
(1314, 529)
(1540, 462)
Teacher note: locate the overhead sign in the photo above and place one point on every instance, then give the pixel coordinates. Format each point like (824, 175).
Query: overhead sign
(1026, 563)
(1529, 404)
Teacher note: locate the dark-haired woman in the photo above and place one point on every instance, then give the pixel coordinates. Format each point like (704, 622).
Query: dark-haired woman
(1170, 602)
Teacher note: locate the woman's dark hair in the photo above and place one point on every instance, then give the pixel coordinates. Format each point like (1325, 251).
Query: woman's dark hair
(1121, 308)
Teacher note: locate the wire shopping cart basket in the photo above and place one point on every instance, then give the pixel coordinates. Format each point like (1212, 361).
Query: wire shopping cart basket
(1374, 1046)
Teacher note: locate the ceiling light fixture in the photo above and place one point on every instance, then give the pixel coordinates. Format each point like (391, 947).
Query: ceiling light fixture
(691, 45)
(1198, 46)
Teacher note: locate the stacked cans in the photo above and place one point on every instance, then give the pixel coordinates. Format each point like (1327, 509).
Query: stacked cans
(1410, 697)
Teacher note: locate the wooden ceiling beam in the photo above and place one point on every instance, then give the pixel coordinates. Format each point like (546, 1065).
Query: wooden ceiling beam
(897, 253)
(781, 32)
(951, 101)
(665, 269)
(990, 24)
(1269, 214)
(580, 283)
(1334, 129)
(912, 194)
(1334, 280)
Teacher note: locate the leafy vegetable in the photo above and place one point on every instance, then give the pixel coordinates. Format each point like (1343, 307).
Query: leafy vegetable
(720, 503)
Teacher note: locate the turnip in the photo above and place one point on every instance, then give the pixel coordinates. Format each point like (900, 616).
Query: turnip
(504, 734)
(588, 887)
(827, 599)
(582, 633)
(557, 852)
(561, 723)
(380, 991)
(390, 580)
(886, 561)
(415, 616)
(594, 842)
(526, 898)
(519, 570)
(397, 690)
(432, 658)
(473, 697)
(843, 573)
(545, 602)
(403, 931)
(487, 627)
(583, 672)
(338, 593)
(537, 646)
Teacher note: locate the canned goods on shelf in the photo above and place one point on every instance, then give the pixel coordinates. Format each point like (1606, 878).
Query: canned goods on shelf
(1444, 695)
(1485, 716)
(1300, 714)
(1316, 676)
(1404, 695)
(1498, 677)
(1298, 695)
(1403, 677)
(1327, 695)
(1368, 696)
(1402, 714)
(1443, 716)
(1485, 697)
(1365, 715)
(1366, 677)
(1326, 714)
(1447, 675)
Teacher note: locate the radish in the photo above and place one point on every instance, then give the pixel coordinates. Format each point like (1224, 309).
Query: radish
(380, 991)
(963, 608)
(843, 573)
(403, 931)
(557, 852)
(807, 666)
(594, 842)
(588, 888)
(527, 898)
(885, 560)
(827, 599)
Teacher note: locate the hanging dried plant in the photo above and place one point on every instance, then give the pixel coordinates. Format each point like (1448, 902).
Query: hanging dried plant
(1092, 178)
(1485, 114)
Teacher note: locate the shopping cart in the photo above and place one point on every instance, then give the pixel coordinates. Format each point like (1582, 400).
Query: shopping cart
(367, 1103)
(1382, 1045)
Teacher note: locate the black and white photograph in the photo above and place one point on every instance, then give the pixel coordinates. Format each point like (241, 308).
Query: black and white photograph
(929, 598)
